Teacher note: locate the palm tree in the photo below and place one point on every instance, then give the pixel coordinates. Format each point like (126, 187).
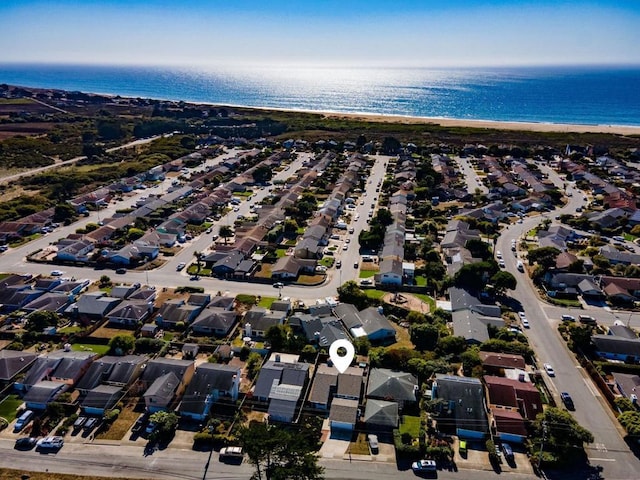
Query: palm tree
(199, 256)
(226, 232)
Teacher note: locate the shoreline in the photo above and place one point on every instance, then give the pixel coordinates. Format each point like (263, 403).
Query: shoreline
(511, 125)
(546, 127)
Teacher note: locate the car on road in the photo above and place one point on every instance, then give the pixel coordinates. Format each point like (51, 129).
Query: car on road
(366, 281)
(50, 443)
(525, 323)
(587, 319)
(355, 265)
(351, 230)
(498, 254)
(25, 443)
(57, 273)
(501, 264)
(236, 209)
(522, 315)
(339, 264)
(278, 285)
(549, 369)
(567, 400)
(180, 266)
(424, 466)
(568, 318)
(230, 454)
(121, 271)
(507, 451)
(345, 246)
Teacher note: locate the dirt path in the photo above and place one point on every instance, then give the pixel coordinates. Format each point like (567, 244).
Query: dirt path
(407, 301)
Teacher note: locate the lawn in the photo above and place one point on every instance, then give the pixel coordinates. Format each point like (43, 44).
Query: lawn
(367, 273)
(375, 294)
(281, 252)
(85, 347)
(565, 302)
(421, 281)
(327, 261)
(9, 406)
(426, 299)
(402, 337)
(410, 425)
(360, 446)
(266, 302)
(310, 279)
(121, 426)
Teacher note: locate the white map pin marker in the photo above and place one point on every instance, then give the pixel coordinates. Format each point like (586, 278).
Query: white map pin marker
(341, 363)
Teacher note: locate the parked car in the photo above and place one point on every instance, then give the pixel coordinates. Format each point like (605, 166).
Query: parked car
(525, 323)
(57, 273)
(508, 452)
(121, 271)
(278, 285)
(373, 443)
(180, 266)
(151, 426)
(567, 400)
(568, 318)
(139, 425)
(549, 369)
(588, 319)
(231, 453)
(339, 264)
(423, 466)
(90, 424)
(25, 443)
(80, 421)
(23, 420)
(50, 443)
(355, 265)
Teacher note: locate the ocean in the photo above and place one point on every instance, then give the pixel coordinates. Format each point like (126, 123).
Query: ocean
(573, 95)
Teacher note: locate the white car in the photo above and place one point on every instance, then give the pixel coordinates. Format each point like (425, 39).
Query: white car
(180, 266)
(498, 254)
(522, 315)
(57, 273)
(549, 369)
(525, 323)
(345, 246)
(50, 443)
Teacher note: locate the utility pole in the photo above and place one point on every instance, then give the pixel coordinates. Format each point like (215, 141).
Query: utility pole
(544, 436)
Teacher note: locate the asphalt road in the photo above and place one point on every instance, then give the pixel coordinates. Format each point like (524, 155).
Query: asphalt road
(176, 464)
(609, 448)
(471, 177)
(13, 178)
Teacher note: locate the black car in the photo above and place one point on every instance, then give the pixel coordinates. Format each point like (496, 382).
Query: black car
(567, 400)
(25, 443)
(121, 271)
(138, 427)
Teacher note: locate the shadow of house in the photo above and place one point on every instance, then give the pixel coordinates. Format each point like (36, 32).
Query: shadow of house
(211, 383)
(462, 410)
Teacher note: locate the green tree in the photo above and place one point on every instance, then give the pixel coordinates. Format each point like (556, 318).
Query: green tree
(424, 336)
(134, 234)
(226, 232)
(349, 292)
(564, 437)
(362, 345)
(545, 256)
(254, 360)
(104, 281)
(121, 344)
(503, 281)
(277, 336)
(415, 317)
(278, 453)
(199, 256)
(165, 426)
(40, 320)
(63, 211)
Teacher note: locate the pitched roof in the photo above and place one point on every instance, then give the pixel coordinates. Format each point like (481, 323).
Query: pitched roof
(13, 362)
(390, 384)
(381, 413)
(350, 383)
(616, 345)
(509, 421)
(208, 377)
(502, 360)
(102, 397)
(44, 391)
(324, 382)
(465, 400)
(161, 366)
(164, 386)
(344, 410)
(98, 372)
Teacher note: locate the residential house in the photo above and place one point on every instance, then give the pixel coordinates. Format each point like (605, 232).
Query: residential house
(369, 322)
(100, 399)
(258, 320)
(390, 272)
(93, 306)
(210, 384)
(71, 367)
(48, 302)
(13, 362)
(161, 393)
(227, 264)
(130, 313)
(381, 415)
(281, 385)
(385, 384)
(343, 416)
(43, 393)
(471, 318)
(496, 363)
(166, 388)
(628, 385)
(74, 251)
(214, 321)
(617, 348)
(508, 394)
(119, 371)
(462, 410)
(324, 385)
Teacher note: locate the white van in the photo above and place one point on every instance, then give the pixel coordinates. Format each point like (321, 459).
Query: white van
(520, 266)
(23, 421)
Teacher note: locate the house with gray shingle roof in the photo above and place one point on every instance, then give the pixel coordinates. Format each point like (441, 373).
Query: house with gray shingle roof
(13, 362)
(42, 393)
(381, 415)
(161, 393)
(100, 399)
(385, 384)
(211, 383)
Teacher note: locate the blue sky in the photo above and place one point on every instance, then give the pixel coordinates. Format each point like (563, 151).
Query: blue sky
(331, 32)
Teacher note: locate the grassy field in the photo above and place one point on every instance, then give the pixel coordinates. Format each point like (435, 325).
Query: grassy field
(410, 425)
(375, 294)
(8, 474)
(426, 299)
(266, 302)
(402, 337)
(367, 273)
(360, 445)
(9, 406)
(121, 426)
(85, 347)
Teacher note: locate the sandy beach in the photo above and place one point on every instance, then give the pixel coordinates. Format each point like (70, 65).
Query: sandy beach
(489, 124)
